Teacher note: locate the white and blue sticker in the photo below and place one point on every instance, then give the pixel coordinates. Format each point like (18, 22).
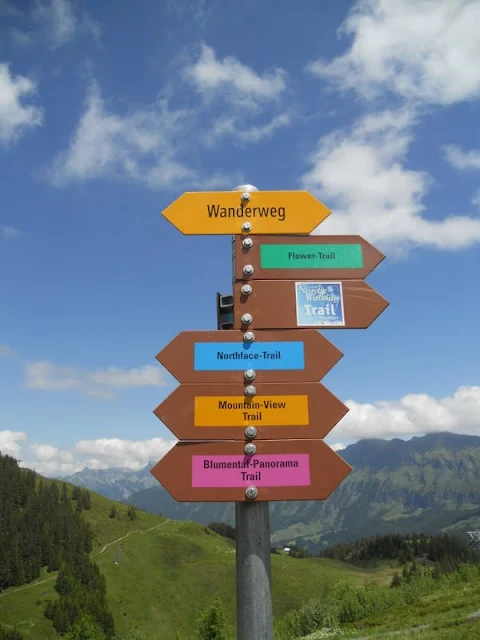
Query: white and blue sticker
(319, 304)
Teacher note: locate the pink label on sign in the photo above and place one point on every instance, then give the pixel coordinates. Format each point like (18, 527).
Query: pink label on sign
(275, 470)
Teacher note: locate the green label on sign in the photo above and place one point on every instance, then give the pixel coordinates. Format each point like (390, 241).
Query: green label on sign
(312, 256)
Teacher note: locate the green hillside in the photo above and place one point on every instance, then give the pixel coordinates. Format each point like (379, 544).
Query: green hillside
(167, 573)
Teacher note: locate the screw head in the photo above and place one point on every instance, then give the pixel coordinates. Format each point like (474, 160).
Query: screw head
(251, 493)
(247, 243)
(246, 289)
(251, 431)
(249, 336)
(246, 226)
(247, 318)
(246, 197)
(248, 269)
(250, 390)
(250, 449)
(250, 374)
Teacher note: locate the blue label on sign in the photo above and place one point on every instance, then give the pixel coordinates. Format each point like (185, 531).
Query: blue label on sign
(319, 304)
(262, 356)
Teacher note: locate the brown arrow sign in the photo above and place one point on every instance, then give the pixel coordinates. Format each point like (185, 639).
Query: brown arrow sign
(278, 470)
(285, 304)
(224, 356)
(296, 257)
(223, 411)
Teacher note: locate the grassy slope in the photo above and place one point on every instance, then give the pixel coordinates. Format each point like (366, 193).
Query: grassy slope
(452, 613)
(167, 575)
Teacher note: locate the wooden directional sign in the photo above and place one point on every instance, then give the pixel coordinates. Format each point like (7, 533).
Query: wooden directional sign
(280, 470)
(223, 411)
(224, 356)
(295, 258)
(286, 304)
(224, 212)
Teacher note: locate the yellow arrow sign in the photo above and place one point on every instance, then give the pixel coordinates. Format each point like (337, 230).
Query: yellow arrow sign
(262, 411)
(226, 212)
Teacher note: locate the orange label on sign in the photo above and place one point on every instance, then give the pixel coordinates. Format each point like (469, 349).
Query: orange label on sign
(240, 411)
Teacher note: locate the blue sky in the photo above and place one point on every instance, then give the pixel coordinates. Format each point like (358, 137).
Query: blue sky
(108, 114)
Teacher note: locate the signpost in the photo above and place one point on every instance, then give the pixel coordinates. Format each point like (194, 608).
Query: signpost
(287, 304)
(279, 469)
(312, 257)
(230, 212)
(250, 413)
(223, 356)
(224, 411)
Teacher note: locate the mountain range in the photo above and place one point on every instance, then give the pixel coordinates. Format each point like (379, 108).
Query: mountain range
(115, 483)
(429, 483)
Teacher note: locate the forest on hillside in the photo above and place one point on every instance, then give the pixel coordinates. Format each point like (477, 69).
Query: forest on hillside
(41, 526)
(447, 550)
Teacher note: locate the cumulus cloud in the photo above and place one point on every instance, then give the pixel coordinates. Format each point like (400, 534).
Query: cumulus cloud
(141, 146)
(232, 80)
(16, 117)
(103, 453)
(361, 173)
(460, 159)
(47, 376)
(11, 442)
(412, 415)
(422, 50)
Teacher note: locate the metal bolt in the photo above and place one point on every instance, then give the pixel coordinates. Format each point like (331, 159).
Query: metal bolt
(250, 449)
(251, 431)
(246, 226)
(247, 243)
(246, 197)
(250, 390)
(247, 318)
(250, 374)
(246, 289)
(248, 269)
(249, 336)
(251, 493)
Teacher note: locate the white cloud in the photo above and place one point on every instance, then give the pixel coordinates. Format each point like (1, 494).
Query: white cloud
(103, 453)
(338, 446)
(425, 50)
(46, 376)
(141, 146)
(361, 175)
(460, 159)
(7, 232)
(232, 80)
(16, 117)
(11, 442)
(414, 414)
(60, 24)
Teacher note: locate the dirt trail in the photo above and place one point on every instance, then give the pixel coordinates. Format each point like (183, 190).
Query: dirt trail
(35, 584)
(135, 531)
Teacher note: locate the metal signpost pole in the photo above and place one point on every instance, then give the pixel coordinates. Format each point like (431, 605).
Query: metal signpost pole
(254, 581)
(253, 565)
